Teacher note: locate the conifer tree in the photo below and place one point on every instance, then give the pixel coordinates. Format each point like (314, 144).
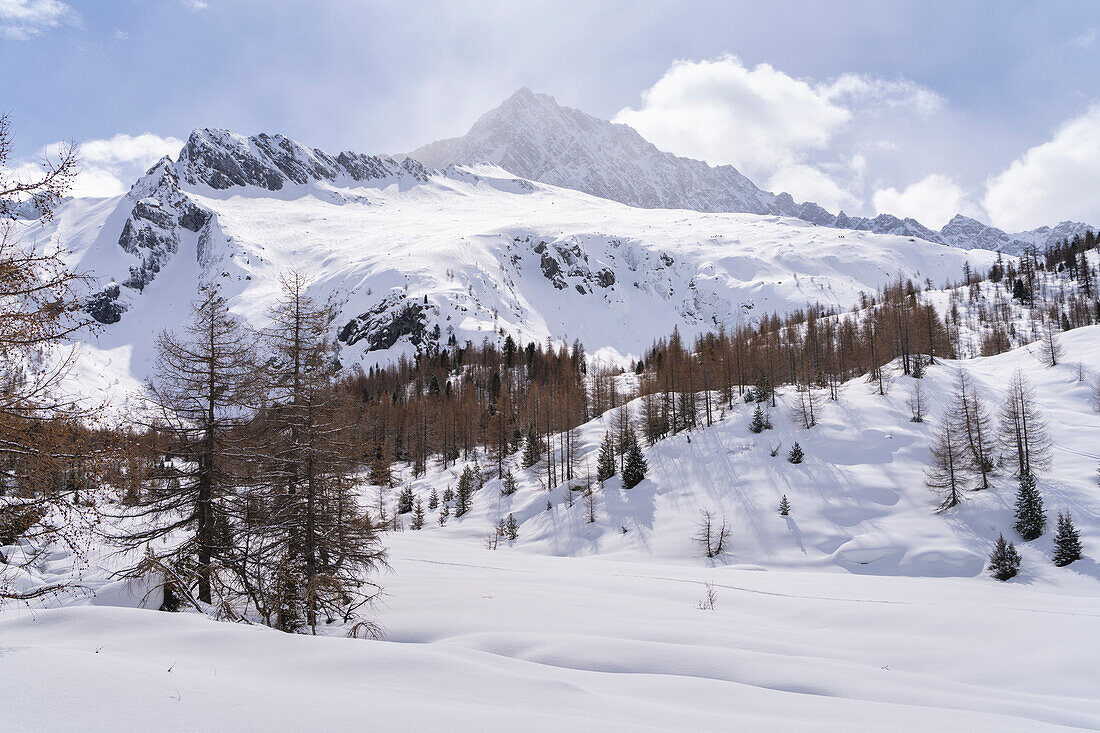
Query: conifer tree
(508, 485)
(320, 546)
(467, 484)
(418, 516)
(759, 422)
(511, 528)
(918, 368)
(433, 499)
(448, 495)
(444, 513)
(532, 448)
(948, 470)
(605, 462)
(636, 467)
(405, 500)
(970, 410)
(1067, 541)
(1030, 517)
(202, 394)
(1022, 429)
(1004, 561)
(784, 506)
(796, 455)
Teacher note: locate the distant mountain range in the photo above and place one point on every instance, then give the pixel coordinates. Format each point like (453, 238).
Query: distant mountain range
(533, 136)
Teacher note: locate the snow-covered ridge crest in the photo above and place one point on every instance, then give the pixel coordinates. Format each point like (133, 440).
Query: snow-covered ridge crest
(533, 136)
(222, 159)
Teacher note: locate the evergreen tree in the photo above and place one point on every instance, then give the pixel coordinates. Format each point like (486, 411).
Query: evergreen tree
(784, 506)
(758, 420)
(532, 448)
(1030, 517)
(433, 499)
(636, 467)
(448, 495)
(511, 528)
(444, 513)
(796, 455)
(418, 516)
(918, 367)
(405, 500)
(605, 463)
(508, 486)
(467, 483)
(1067, 542)
(1004, 561)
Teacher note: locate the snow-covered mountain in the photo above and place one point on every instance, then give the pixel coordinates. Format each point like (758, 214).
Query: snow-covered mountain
(533, 136)
(536, 138)
(962, 231)
(409, 254)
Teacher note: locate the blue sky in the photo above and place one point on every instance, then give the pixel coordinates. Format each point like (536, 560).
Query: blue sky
(918, 107)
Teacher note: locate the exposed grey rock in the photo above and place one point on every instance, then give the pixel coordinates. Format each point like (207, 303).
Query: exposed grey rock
(222, 159)
(381, 327)
(104, 306)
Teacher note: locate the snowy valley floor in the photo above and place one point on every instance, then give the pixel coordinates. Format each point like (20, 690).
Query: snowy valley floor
(863, 610)
(480, 640)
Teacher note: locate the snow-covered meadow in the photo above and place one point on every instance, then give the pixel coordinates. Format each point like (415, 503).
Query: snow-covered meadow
(862, 610)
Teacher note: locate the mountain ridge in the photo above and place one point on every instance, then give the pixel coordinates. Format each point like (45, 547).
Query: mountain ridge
(533, 136)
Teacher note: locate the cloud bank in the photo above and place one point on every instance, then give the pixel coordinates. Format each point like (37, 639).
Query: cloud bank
(861, 143)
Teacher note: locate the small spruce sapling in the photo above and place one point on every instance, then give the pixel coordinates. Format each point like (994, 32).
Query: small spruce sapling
(1067, 541)
(433, 499)
(635, 469)
(1030, 517)
(508, 487)
(796, 455)
(784, 506)
(405, 500)
(511, 528)
(758, 421)
(418, 516)
(605, 462)
(1004, 561)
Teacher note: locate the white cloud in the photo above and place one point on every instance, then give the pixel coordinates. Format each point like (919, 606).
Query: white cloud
(720, 111)
(194, 5)
(108, 167)
(1051, 182)
(21, 20)
(811, 139)
(807, 183)
(1085, 39)
(860, 90)
(120, 35)
(933, 200)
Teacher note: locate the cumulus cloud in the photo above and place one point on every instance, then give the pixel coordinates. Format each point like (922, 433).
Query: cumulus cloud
(721, 111)
(1051, 182)
(793, 135)
(22, 20)
(108, 166)
(933, 200)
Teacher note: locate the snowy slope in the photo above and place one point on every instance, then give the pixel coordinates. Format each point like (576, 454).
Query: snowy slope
(472, 250)
(860, 503)
(836, 618)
